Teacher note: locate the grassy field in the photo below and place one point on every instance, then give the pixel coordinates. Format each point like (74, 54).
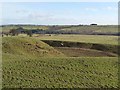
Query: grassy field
(81, 29)
(96, 39)
(60, 73)
(99, 28)
(100, 39)
(30, 63)
(83, 52)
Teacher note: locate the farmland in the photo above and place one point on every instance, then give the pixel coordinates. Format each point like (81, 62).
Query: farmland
(60, 73)
(59, 45)
(100, 39)
(68, 29)
(60, 60)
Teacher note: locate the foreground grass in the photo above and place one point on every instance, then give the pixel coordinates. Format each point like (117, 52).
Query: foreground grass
(60, 72)
(29, 63)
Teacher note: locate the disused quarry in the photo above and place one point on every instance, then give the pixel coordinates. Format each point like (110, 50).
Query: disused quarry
(78, 49)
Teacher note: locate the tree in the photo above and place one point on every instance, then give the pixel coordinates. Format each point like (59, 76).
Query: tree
(29, 33)
(14, 32)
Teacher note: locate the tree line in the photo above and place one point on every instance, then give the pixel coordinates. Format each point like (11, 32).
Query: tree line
(20, 30)
(16, 32)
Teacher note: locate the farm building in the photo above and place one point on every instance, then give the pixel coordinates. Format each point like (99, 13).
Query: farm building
(93, 24)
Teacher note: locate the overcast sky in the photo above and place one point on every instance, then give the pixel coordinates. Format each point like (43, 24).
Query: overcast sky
(49, 13)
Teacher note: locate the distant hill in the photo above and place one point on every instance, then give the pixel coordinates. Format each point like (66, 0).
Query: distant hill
(68, 29)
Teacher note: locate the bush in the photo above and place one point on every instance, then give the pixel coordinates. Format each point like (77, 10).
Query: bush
(29, 33)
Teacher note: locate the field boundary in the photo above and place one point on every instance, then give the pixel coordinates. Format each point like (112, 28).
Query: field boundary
(101, 47)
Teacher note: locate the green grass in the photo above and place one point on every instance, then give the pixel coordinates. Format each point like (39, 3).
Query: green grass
(27, 47)
(99, 28)
(99, 39)
(60, 73)
(30, 63)
(82, 52)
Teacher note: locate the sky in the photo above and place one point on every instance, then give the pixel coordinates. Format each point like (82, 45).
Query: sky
(60, 13)
(59, 0)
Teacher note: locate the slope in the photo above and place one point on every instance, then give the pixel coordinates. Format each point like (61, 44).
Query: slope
(16, 47)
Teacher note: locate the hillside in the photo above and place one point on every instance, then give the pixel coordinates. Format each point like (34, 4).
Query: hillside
(100, 29)
(68, 29)
(73, 46)
(27, 48)
(28, 62)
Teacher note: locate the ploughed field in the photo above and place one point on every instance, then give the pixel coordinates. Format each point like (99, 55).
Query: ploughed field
(38, 62)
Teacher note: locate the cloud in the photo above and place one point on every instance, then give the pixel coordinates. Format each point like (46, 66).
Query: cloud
(19, 14)
(111, 8)
(39, 15)
(91, 9)
(45, 18)
(108, 8)
(21, 11)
